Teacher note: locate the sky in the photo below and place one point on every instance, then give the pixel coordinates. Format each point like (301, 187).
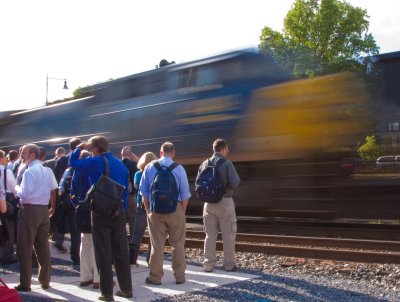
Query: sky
(90, 41)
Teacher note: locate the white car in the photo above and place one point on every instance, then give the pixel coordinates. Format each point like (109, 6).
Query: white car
(388, 162)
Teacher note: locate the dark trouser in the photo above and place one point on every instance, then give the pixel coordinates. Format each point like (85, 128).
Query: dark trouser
(8, 247)
(111, 246)
(70, 225)
(140, 228)
(69, 217)
(131, 214)
(33, 230)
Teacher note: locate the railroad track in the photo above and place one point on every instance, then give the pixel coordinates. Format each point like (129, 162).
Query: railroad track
(354, 250)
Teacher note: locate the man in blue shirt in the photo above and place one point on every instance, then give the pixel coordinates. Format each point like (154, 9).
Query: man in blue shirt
(172, 224)
(109, 236)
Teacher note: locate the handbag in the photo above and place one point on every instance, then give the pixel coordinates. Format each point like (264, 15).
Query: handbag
(105, 197)
(8, 294)
(83, 218)
(13, 205)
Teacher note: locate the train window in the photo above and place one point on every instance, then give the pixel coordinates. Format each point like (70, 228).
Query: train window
(394, 126)
(188, 77)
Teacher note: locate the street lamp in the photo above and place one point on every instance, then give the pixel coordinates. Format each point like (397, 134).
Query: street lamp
(47, 86)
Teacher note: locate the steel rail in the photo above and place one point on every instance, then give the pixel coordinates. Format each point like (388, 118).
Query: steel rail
(359, 244)
(335, 249)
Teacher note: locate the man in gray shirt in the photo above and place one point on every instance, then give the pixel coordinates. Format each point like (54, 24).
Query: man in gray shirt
(221, 216)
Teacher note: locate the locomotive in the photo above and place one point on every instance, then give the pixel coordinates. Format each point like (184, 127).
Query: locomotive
(280, 130)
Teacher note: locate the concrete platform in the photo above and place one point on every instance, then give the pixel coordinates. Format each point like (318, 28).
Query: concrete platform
(66, 288)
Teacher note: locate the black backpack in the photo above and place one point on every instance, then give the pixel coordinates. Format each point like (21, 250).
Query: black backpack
(164, 191)
(209, 186)
(105, 198)
(13, 205)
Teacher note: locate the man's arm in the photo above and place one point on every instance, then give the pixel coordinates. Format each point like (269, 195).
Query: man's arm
(233, 176)
(11, 182)
(3, 204)
(52, 202)
(134, 157)
(184, 204)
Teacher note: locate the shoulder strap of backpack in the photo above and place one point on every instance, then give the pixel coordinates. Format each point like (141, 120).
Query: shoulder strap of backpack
(219, 162)
(5, 179)
(157, 166)
(107, 166)
(173, 166)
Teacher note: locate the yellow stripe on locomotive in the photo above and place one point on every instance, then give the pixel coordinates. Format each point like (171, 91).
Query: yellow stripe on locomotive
(292, 119)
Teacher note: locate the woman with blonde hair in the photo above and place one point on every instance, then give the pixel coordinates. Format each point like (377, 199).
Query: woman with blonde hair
(141, 216)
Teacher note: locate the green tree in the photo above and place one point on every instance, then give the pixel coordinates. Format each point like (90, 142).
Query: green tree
(321, 37)
(370, 149)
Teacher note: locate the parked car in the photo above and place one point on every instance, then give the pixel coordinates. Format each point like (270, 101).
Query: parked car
(388, 162)
(348, 165)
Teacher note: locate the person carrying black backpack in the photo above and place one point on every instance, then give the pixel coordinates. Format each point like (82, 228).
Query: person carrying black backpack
(109, 233)
(165, 191)
(215, 182)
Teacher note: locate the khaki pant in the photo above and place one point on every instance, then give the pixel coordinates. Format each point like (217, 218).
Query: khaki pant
(217, 217)
(159, 226)
(88, 267)
(33, 231)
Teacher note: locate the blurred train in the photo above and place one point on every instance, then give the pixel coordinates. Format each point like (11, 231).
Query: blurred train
(281, 132)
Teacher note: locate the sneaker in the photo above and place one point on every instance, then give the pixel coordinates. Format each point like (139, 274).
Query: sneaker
(233, 269)
(180, 281)
(149, 281)
(45, 286)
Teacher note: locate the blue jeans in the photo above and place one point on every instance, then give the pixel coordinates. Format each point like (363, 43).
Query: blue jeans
(140, 228)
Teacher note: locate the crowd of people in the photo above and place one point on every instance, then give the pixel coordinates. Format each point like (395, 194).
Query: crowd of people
(45, 199)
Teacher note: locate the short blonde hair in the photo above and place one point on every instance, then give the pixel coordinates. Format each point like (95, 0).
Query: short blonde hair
(145, 159)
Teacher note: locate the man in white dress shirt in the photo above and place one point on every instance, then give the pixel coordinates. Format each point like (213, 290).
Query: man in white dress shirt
(36, 190)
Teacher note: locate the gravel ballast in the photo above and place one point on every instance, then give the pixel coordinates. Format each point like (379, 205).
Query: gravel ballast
(299, 279)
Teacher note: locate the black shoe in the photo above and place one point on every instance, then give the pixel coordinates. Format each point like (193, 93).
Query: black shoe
(123, 294)
(106, 298)
(60, 248)
(45, 286)
(21, 288)
(9, 261)
(86, 283)
(149, 281)
(180, 281)
(133, 255)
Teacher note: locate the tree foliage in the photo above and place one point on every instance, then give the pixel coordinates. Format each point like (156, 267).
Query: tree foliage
(321, 37)
(370, 149)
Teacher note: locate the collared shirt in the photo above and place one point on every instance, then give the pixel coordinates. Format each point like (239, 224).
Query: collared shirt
(179, 173)
(10, 165)
(37, 183)
(20, 173)
(10, 180)
(79, 187)
(93, 167)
